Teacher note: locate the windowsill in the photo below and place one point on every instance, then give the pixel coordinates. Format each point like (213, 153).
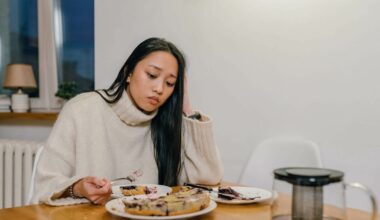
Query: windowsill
(35, 114)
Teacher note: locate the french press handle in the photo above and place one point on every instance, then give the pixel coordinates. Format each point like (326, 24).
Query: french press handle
(369, 193)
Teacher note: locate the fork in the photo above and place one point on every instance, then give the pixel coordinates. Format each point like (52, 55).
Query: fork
(131, 178)
(121, 178)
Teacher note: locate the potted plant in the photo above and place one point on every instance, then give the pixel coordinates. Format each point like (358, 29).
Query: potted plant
(67, 90)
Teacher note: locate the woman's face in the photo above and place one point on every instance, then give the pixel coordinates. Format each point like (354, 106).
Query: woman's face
(152, 81)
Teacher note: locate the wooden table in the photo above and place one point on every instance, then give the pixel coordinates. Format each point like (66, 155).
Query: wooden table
(92, 212)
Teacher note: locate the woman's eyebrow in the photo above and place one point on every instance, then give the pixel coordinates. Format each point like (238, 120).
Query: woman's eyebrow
(156, 67)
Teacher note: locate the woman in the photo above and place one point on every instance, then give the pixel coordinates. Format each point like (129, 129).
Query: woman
(143, 127)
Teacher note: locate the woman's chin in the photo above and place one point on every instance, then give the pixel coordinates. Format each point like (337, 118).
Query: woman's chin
(147, 110)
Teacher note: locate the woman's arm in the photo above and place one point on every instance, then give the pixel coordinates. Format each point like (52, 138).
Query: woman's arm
(56, 169)
(201, 159)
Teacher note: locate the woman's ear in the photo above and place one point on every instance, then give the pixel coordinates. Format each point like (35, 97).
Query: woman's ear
(129, 78)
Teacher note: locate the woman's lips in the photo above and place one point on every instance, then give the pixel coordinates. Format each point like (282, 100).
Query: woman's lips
(153, 100)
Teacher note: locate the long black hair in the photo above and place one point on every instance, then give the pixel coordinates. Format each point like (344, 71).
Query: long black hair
(166, 125)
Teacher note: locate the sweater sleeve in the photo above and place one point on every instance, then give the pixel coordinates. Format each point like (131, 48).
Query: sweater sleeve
(201, 159)
(56, 167)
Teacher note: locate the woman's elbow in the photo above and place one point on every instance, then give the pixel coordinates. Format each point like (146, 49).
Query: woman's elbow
(213, 177)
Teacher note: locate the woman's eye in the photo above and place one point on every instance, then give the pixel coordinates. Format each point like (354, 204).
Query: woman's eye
(170, 84)
(151, 76)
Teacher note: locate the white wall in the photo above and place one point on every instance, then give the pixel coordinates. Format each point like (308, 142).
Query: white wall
(263, 68)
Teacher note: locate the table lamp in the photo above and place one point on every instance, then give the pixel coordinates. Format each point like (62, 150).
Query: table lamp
(19, 76)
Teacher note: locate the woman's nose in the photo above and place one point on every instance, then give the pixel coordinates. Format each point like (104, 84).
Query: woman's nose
(158, 87)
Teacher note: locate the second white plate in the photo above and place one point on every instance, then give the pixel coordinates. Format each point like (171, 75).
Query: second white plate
(264, 195)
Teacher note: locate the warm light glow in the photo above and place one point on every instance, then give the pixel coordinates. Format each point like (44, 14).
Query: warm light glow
(1, 52)
(58, 35)
(19, 76)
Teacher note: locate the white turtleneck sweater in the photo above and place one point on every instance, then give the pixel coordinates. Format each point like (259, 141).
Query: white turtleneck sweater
(94, 138)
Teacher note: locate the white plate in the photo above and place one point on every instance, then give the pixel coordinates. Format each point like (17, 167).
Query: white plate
(116, 207)
(161, 189)
(264, 195)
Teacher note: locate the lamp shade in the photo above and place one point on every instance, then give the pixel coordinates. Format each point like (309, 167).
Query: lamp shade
(19, 76)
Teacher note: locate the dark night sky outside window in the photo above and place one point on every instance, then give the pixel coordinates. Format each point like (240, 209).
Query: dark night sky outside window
(75, 55)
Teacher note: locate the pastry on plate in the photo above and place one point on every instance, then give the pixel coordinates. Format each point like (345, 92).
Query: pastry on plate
(133, 190)
(179, 203)
(228, 193)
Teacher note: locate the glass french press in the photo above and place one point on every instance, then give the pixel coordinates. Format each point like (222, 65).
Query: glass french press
(302, 193)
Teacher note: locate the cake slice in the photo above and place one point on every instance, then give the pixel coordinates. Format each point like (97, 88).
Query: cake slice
(228, 193)
(134, 190)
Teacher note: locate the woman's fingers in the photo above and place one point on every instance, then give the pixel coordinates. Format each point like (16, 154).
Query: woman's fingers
(94, 199)
(94, 181)
(102, 194)
(98, 200)
(101, 200)
(96, 190)
(93, 187)
(101, 188)
(187, 109)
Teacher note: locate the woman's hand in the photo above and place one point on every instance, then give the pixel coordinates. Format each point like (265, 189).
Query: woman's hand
(95, 189)
(187, 109)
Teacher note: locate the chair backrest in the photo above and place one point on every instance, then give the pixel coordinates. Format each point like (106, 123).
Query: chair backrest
(276, 153)
(31, 186)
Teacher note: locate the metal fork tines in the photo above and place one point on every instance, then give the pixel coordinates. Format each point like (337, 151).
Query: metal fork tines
(131, 178)
(121, 178)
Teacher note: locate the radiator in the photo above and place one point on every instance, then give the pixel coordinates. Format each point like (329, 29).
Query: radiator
(16, 165)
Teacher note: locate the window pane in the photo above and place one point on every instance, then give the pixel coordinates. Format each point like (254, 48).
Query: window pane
(18, 37)
(74, 36)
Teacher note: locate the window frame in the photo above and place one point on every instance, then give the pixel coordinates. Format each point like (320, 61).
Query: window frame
(47, 58)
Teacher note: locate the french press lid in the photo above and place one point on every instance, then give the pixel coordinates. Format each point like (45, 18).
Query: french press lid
(308, 176)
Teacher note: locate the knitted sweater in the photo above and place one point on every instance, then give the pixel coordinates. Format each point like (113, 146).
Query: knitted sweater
(94, 138)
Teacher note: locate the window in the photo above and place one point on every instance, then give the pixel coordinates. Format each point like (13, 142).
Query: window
(56, 37)
(74, 37)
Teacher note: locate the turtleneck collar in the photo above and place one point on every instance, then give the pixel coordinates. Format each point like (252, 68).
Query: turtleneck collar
(129, 113)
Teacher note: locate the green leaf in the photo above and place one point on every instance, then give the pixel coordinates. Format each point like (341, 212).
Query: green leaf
(67, 90)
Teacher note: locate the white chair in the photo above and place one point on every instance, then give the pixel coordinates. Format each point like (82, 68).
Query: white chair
(31, 186)
(276, 153)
